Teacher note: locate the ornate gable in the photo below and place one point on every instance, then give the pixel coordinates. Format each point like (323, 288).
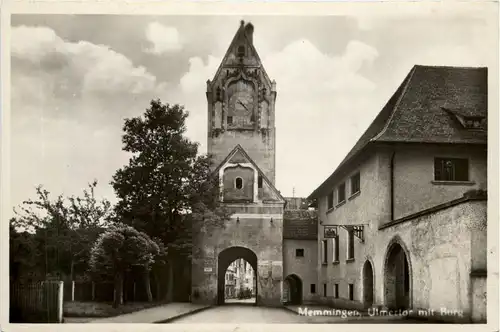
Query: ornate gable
(241, 180)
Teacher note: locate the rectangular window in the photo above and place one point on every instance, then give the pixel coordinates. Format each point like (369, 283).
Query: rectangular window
(330, 200)
(324, 251)
(324, 290)
(299, 252)
(355, 183)
(260, 181)
(313, 288)
(341, 193)
(335, 248)
(350, 244)
(229, 120)
(336, 291)
(451, 169)
(351, 292)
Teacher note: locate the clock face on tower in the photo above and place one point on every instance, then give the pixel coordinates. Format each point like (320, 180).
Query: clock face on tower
(241, 105)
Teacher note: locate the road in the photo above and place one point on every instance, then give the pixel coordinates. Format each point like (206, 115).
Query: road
(249, 314)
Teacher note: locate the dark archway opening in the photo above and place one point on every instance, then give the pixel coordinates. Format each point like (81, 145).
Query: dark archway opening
(229, 261)
(367, 284)
(293, 290)
(397, 279)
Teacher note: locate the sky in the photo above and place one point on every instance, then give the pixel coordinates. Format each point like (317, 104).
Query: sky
(75, 78)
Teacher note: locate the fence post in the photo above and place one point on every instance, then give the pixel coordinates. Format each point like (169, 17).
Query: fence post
(60, 300)
(72, 290)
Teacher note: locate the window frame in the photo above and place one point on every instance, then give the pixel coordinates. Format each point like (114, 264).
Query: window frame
(350, 252)
(342, 185)
(297, 250)
(324, 251)
(455, 165)
(336, 291)
(358, 176)
(350, 289)
(236, 183)
(325, 289)
(313, 288)
(330, 200)
(335, 249)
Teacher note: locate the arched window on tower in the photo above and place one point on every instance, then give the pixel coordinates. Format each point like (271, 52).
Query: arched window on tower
(238, 183)
(218, 97)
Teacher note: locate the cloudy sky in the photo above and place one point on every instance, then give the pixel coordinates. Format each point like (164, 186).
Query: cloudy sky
(75, 78)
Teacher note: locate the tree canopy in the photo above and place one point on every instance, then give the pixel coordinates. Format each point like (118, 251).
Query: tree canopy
(167, 186)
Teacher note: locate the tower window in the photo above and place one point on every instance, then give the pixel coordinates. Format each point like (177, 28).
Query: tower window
(218, 96)
(260, 181)
(229, 120)
(239, 183)
(241, 51)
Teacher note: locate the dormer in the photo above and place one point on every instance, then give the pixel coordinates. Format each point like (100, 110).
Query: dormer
(468, 119)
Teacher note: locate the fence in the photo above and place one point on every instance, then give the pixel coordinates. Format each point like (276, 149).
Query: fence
(37, 302)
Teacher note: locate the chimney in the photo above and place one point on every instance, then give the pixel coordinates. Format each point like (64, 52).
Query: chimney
(249, 32)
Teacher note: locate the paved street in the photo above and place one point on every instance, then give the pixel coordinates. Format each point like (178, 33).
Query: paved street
(248, 314)
(242, 314)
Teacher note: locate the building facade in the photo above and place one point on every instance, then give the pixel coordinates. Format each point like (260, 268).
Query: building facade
(242, 140)
(402, 220)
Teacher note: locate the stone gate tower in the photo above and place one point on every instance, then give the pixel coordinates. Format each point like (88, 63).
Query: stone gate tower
(241, 138)
(241, 101)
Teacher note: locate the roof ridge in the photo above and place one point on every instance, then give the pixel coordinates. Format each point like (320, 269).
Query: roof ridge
(396, 106)
(452, 67)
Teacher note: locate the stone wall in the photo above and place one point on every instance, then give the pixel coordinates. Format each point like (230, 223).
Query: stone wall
(258, 231)
(414, 185)
(302, 267)
(439, 248)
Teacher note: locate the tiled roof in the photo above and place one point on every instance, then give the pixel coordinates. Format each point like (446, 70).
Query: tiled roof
(300, 225)
(419, 111)
(421, 115)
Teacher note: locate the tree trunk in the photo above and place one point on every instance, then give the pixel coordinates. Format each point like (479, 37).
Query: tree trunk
(72, 269)
(118, 298)
(147, 283)
(170, 280)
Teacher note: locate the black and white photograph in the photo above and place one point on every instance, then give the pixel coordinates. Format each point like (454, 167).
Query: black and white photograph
(227, 167)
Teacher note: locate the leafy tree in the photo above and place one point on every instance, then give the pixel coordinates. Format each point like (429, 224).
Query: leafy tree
(167, 188)
(117, 250)
(65, 228)
(24, 252)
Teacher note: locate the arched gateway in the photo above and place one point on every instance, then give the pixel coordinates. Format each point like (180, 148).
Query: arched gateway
(292, 288)
(241, 139)
(397, 283)
(226, 257)
(367, 284)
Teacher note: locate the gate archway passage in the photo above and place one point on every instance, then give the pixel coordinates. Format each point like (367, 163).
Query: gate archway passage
(397, 278)
(293, 289)
(367, 284)
(225, 258)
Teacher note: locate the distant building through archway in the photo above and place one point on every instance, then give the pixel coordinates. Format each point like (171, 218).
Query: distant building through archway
(226, 258)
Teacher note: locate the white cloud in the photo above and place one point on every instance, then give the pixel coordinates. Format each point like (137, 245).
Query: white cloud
(316, 106)
(164, 39)
(68, 105)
